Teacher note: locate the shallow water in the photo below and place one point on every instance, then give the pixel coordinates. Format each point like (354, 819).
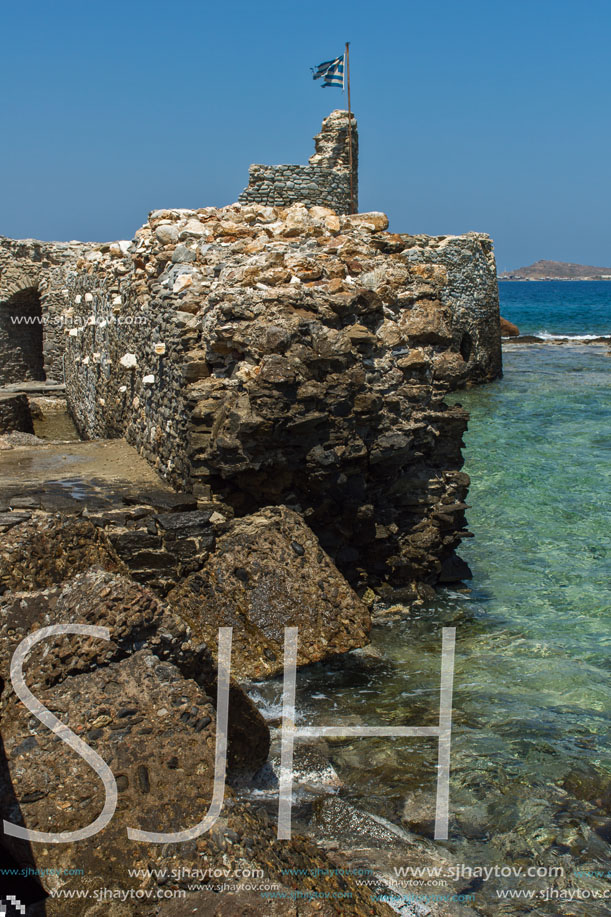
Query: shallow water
(531, 771)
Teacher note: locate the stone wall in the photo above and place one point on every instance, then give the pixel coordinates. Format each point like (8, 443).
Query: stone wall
(332, 150)
(292, 356)
(325, 181)
(32, 302)
(287, 184)
(15, 415)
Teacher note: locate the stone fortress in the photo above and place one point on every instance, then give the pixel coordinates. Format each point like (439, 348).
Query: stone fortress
(284, 354)
(260, 392)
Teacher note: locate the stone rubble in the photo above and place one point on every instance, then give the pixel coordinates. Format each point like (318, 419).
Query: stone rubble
(146, 702)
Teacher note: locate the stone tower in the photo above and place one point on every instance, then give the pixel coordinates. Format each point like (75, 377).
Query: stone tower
(333, 149)
(325, 181)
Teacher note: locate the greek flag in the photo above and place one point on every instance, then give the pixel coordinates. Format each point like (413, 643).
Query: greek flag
(331, 72)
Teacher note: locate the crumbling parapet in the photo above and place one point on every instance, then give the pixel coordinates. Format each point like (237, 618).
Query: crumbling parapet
(325, 182)
(337, 148)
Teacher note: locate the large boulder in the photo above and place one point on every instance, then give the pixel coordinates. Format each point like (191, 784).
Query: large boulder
(144, 701)
(267, 573)
(156, 730)
(136, 618)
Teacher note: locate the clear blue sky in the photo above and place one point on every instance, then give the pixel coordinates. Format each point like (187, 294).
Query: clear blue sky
(490, 116)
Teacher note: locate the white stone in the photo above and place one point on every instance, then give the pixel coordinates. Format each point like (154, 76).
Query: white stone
(193, 228)
(101, 401)
(123, 388)
(246, 371)
(375, 221)
(148, 380)
(88, 297)
(78, 299)
(116, 301)
(85, 361)
(125, 245)
(166, 233)
(182, 282)
(159, 348)
(73, 332)
(129, 360)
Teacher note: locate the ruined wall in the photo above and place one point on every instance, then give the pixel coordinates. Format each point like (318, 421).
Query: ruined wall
(32, 302)
(127, 358)
(325, 181)
(288, 184)
(293, 356)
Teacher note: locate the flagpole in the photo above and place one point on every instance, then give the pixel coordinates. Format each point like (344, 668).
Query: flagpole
(347, 56)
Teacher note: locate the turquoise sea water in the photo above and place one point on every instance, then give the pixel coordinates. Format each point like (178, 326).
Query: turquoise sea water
(531, 771)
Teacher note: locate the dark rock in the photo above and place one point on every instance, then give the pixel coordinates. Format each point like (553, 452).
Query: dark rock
(8, 520)
(258, 583)
(184, 521)
(134, 616)
(163, 500)
(15, 414)
(454, 569)
(46, 550)
(142, 774)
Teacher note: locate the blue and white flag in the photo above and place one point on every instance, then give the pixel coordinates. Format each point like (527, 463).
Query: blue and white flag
(331, 72)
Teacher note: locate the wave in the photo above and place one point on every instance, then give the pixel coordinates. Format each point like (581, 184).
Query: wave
(548, 336)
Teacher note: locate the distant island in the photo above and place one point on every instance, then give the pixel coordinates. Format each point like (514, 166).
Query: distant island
(557, 270)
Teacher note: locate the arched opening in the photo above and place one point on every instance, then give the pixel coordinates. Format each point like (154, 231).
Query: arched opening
(21, 354)
(466, 346)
